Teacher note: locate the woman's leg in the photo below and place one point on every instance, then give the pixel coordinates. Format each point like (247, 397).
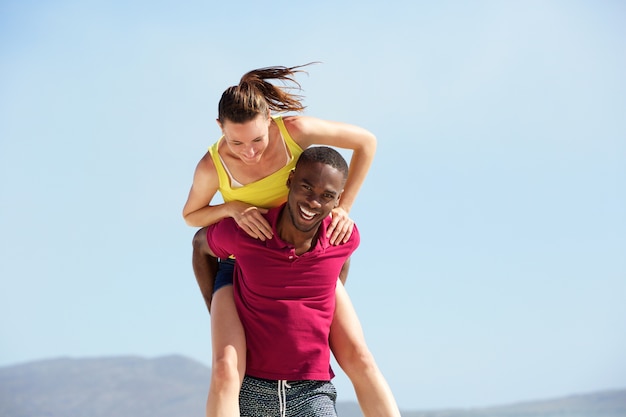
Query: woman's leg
(229, 355)
(227, 336)
(347, 342)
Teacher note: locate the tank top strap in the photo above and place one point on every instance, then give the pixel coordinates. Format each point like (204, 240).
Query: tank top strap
(294, 149)
(222, 174)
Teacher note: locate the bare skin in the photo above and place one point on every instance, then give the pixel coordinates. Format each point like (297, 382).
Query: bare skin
(252, 151)
(247, 163)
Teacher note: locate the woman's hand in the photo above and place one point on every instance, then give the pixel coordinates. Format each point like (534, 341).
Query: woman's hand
(340, 229)
(251, 220)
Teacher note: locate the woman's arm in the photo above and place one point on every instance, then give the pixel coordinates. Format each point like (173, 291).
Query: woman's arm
(308, 131)
(198, 211)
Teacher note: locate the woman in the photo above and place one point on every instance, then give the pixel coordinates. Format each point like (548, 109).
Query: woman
(249, 166)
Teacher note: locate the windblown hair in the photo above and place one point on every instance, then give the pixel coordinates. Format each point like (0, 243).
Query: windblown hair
(255, 95)
(325, 155)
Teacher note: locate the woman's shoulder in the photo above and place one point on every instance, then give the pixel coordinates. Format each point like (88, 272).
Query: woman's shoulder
(297, 119)
(299, 125)
(206, 165)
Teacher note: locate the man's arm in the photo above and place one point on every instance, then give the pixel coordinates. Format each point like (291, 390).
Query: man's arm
(204, 264)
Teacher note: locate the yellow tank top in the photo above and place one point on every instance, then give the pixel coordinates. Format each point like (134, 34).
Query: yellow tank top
(267, 192)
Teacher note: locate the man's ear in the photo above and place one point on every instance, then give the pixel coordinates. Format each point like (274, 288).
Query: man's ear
(338, 199)
(289, 177)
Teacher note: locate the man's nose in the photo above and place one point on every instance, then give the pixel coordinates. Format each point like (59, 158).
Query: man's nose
(314, 201)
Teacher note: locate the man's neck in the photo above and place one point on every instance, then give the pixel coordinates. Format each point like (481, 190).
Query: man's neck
(301, 241)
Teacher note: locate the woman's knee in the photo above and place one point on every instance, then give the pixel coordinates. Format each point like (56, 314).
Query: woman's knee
(225, 369)
(357, 358)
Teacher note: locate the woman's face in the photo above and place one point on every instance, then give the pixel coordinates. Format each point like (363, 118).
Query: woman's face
(247, 140)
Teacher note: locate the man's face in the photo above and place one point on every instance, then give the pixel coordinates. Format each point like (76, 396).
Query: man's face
(314, 190)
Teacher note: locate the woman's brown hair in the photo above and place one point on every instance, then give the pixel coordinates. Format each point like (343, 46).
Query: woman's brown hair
(255, 95)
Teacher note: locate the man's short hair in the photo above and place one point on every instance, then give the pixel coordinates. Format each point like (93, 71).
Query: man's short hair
(325, 155)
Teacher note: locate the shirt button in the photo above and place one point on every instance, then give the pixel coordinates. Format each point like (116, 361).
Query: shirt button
(290, 256)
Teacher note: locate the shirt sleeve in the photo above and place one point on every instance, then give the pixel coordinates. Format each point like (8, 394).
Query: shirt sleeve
(355, 239)
(222, 236)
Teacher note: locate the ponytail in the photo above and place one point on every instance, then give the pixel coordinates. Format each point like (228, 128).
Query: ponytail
(255, 95)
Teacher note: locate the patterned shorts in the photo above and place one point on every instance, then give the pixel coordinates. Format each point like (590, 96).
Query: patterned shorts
(267, 398)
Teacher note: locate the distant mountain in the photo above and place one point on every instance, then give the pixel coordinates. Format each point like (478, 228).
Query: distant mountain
(175, 386)
(105, 387)
(601, 404)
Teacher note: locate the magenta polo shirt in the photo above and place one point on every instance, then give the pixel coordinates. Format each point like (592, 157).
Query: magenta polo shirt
(285, 302)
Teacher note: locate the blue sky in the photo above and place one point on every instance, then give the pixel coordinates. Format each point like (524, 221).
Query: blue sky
(492, 267)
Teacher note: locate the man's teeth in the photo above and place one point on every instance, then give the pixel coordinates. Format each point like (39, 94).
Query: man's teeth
(307, 214)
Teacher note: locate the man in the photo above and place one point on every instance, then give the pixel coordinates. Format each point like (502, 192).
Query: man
(284, 291)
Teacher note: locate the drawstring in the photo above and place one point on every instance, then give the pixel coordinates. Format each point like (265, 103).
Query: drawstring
(282, 397)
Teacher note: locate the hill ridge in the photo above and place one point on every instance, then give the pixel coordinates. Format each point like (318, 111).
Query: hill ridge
(175, 385)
